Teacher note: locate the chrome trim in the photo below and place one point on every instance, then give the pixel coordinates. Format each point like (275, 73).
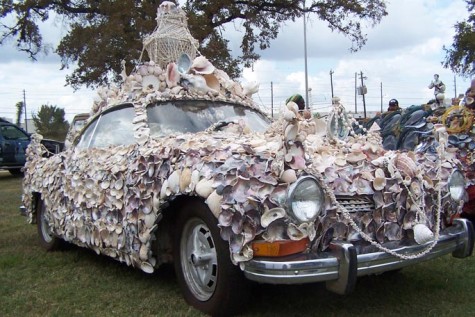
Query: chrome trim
(339, 268)
(291, 194)
(23, 211)
(358, 203)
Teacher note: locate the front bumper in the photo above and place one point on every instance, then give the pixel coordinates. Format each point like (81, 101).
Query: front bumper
(340, 267)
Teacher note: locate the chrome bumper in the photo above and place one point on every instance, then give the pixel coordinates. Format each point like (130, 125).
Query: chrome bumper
(340, 267)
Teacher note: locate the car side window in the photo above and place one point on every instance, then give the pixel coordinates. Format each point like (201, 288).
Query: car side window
(86, 135)
(114, 128)
(10, 132)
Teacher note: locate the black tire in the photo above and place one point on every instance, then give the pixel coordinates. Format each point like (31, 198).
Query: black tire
(46, 239)
(215, 285)
(16, 172)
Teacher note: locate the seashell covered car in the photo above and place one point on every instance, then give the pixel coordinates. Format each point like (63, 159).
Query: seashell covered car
(179, 165)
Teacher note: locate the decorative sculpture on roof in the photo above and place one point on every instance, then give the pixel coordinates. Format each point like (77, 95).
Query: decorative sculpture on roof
(171, 38)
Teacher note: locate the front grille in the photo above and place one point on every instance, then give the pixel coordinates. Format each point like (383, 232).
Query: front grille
(356, 203)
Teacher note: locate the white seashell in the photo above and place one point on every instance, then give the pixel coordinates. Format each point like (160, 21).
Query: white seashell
(379, 183)
(105, 184)
(174, 182)
(292, 106)
(138, 78)
(204, 187)
(214, 203)
(245, 255)
(143, 253)
(201, 65)
(257, 142)
(288, 115)
(155, 202)
(164, 189)
(340, 159)
(291, 132)
(288, 176)
(354, 157)
(250, 88)
(119, 184)
(146, 267)
(150, 82)
(379, 173)
(143, 70)
(157, 71)
(149, 220)
(195, 178)
(367, 175)
(320, 127)
(271, 215)
(296, 233)
(422, 234)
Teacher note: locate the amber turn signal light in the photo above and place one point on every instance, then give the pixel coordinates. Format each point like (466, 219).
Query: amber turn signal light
(279, 248)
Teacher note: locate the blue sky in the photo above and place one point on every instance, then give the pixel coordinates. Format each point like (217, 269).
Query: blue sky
(401, 55)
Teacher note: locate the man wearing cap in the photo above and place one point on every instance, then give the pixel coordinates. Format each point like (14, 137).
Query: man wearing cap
(393, 105)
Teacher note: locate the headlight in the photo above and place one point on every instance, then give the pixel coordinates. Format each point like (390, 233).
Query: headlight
(457, 185)
(306, 199)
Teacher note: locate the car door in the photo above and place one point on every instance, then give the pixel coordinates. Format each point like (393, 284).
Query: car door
(14, 143)
(96, 173)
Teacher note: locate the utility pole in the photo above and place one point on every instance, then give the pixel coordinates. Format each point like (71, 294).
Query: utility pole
(305, 50)
(381, 93)
(272, 100)
(455, 87)
(356, 95)
(310, 101)
(363, 92)
(331, 80)
(24, 105)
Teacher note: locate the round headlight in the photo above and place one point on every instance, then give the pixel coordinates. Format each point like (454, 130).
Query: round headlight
(306, 199)
(457, 185)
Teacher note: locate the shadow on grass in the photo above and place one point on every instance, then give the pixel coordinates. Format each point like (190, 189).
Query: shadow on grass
(5, 175)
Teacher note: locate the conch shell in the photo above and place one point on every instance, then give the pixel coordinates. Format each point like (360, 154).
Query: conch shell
(201, 65)
(405, 164)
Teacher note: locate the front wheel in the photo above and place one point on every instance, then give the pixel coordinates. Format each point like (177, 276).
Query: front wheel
(46, 237)
(208, 279)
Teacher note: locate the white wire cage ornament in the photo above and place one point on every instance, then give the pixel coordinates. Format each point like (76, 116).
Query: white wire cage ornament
(171, 38)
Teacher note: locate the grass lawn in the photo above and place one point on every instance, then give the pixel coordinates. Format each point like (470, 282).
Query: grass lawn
(77, 282)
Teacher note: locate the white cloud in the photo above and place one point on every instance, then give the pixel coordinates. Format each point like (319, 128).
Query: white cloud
(401, 56)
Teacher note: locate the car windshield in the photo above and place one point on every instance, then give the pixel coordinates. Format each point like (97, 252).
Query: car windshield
(185, 116)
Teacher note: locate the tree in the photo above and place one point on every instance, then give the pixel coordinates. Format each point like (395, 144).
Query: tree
(103, 33)
(50, 122)
(460, 57)
(19, 111)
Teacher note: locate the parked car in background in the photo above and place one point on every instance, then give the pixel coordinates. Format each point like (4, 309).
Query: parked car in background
(79, 121)
(13, 143)
(179, 165)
